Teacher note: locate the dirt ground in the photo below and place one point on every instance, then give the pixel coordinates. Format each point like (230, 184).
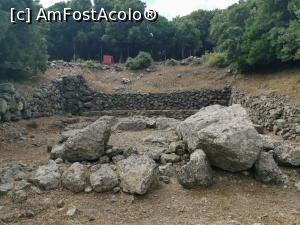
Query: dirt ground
(232, 197)
(178, 78)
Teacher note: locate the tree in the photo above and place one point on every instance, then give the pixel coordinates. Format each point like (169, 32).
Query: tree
(258, 33)
(202, 19)
(187, 36)
(23, 47)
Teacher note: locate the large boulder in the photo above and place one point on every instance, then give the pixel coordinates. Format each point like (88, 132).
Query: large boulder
(197, 172)
(75, 178)
(46, 177)
(137, 174)
(267, 170)
(226, 135)
(104, 179)
(288, 155)
(87, 144)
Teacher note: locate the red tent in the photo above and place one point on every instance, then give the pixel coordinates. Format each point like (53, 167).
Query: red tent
(108, 59)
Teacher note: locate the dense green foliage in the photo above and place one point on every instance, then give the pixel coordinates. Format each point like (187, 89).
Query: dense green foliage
(215, 59)
(172, 62)
(249, 35)
(142, 61)
(23, 49)
(258, 33)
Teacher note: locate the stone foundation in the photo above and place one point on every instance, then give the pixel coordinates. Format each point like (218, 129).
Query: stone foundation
(71, 94)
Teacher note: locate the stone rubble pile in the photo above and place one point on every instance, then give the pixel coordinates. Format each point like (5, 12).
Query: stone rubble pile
(272, 112)
(216, 136)
(13, 105)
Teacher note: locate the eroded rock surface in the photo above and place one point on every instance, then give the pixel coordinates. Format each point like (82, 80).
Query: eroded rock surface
(88, 144)
(197, 172)
(288, 155)
(104, 179)
(137, 174)
(75, 178)
(46, 177)
(225, 134)
(267, 170)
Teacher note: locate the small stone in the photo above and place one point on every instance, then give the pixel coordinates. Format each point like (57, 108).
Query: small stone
(19, 197)
(164, 179)
(114, 151)
(71, 211)
(167, 170)
(49, 148)
(246, 173)
(116, 190)
(169, 158)
(267, 170)
(92, 218)
(104, 160)
(178, 147)
(104, 179)
(113, 199)
(60, 204)
(1, 207)
(155, 153)
(21, 185)
(36, 190)
(197, 172)
(46, 177)
(59, 161)
(118, 158)
(5, 188)
(131, 199)
(88, 189)
(74, 178)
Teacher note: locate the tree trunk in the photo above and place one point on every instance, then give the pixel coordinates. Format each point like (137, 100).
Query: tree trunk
(121, 56)
(101, 54)
(182, 53)
(128, 51)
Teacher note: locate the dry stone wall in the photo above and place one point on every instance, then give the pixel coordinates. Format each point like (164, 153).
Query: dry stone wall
(13, 105)
(272, 112)
(71, 94)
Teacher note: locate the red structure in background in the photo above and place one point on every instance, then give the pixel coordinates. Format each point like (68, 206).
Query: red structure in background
(108, 59)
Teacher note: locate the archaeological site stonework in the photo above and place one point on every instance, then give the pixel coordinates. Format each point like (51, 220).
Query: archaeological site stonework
(71, 94)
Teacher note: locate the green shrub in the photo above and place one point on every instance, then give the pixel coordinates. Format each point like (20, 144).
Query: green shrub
(172, 62)
(90, 64)
(196, 61)
(142, 61)
(215, 59)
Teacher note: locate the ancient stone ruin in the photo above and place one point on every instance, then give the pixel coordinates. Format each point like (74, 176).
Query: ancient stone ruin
(209, 132)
